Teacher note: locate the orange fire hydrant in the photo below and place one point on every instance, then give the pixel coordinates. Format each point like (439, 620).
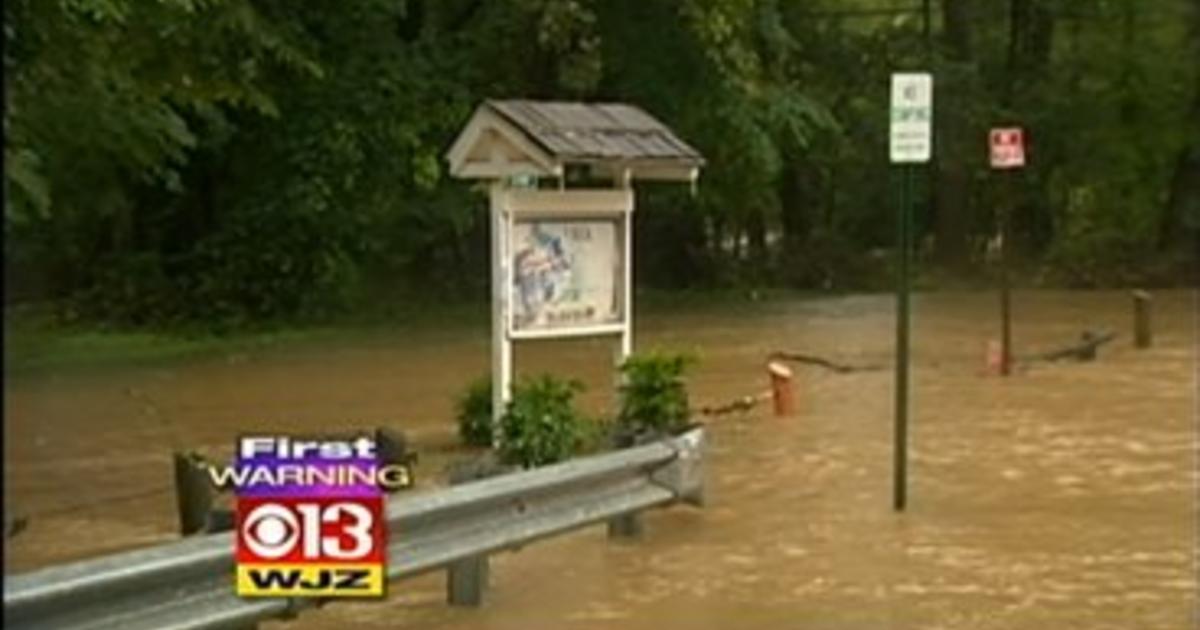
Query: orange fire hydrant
(781, 388)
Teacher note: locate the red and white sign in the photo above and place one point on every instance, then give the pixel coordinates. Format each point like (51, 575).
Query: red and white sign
(1008, 147)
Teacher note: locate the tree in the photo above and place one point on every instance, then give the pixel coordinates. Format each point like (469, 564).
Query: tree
(235, 161)
(106, 95)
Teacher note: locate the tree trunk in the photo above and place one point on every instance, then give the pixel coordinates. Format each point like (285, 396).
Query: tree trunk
(797, 195)
(1184, 199)
(717, 242)
(756, 228)
(1181, 224)
(1031, 44)
(952, 194)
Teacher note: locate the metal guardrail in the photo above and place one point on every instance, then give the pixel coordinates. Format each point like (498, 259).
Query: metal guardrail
(188, 585)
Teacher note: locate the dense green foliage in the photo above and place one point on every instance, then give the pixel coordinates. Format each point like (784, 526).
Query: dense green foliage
(541, 425)
(654, 394)
(233, 161)
(474, 413)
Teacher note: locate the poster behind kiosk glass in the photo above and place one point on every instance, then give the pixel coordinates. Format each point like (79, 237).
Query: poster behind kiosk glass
(566, 274)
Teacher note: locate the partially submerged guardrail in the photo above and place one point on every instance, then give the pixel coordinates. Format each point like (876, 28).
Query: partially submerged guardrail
(188, 585)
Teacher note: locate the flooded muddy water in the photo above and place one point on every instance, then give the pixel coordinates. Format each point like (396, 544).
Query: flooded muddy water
(1062, 497)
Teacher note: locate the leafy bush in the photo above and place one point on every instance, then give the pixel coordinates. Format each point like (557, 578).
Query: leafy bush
(596, 435)
(654, 395)
(475, 413)
(541, 425)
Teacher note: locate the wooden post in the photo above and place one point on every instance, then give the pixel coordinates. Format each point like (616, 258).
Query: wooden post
(625, 526)
(627, 272)
(1143, 333)
(193, 493)
(781, 388)
(501, 224)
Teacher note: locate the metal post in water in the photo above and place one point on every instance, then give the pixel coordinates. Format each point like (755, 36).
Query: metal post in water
(466, 580)
(626, 526)
(903, 229)
(1005, 297)
(1143, 334)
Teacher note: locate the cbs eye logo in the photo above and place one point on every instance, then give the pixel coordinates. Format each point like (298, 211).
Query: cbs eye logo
(309, 530)
(271, 531)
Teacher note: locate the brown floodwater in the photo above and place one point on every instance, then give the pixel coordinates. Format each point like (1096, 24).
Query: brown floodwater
(1062, 497)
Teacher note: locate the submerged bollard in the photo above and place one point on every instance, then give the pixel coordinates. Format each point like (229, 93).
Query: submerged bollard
(193, 493)
(1142, 332)
(781, 388)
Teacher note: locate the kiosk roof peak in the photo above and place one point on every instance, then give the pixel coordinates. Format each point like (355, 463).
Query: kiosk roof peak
(525, 137)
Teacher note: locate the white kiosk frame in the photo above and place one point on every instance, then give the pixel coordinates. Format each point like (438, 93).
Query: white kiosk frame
(507, 139)
(510, 205)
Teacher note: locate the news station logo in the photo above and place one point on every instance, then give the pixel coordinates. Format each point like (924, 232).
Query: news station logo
(309, 516)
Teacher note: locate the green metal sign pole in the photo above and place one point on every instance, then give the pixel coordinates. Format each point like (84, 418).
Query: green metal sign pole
(1005, 296)
(904, 247)
(910, 144)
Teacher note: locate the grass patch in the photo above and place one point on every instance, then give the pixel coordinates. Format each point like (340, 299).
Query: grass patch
(36, 342)
(34, 351)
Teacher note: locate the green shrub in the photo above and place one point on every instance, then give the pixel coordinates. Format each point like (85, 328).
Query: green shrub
(654, 395)
(596, 435)
(541, 425)
(474, 410)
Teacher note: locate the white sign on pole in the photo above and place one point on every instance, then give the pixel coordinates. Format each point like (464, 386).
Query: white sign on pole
(911, 137)
(565, 274)
(1008, 147)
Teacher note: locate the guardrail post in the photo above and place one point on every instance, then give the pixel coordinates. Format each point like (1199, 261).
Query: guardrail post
(685, 474)
(1142, 332)
(466, 580)
(193, 493)
(629, 526)
(626, 526)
